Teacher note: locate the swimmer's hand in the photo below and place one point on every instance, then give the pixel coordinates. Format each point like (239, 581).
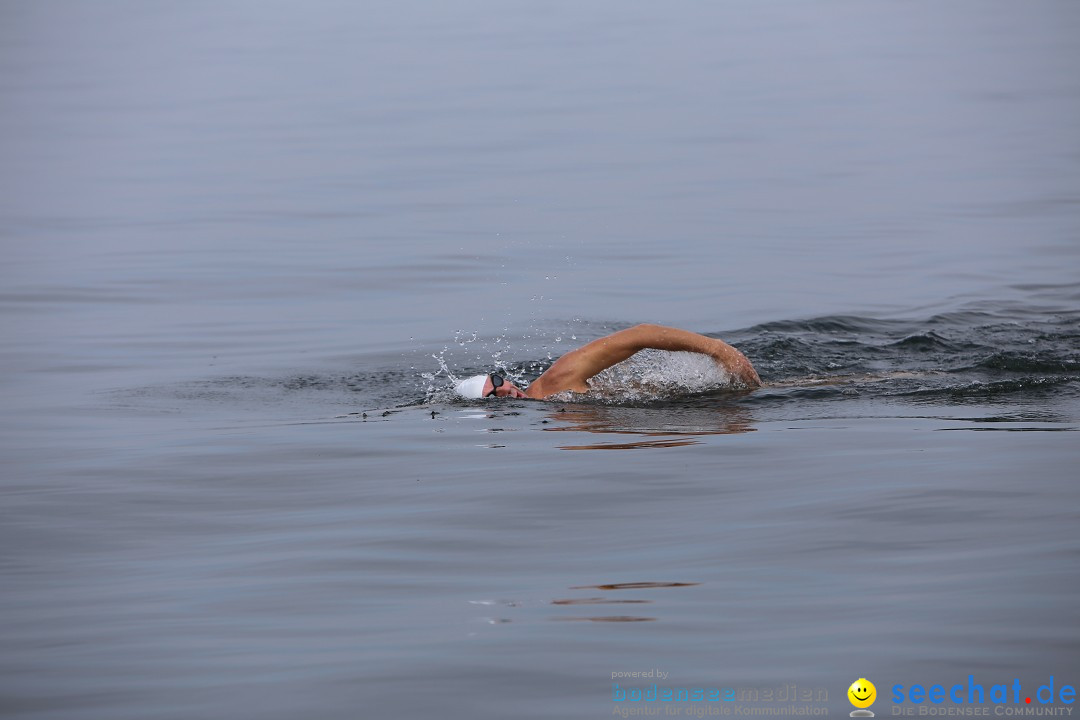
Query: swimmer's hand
(735, 363)
(573, 370)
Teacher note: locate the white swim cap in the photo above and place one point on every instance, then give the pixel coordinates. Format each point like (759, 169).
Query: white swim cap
(472, 388)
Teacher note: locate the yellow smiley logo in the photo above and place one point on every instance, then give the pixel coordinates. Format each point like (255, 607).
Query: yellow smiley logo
(862, 693)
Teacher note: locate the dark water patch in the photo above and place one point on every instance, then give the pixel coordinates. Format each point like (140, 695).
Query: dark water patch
(62, 296)
(802, 356)
(950, 356)
(1015, 417)
(1013, 429)
(851, 324)
(1038, 362)
(914, 512)
(994, 389)
(776, 395)
(374, 391)
(929, 341)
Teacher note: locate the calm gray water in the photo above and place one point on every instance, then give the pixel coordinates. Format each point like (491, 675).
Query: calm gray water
(231, 230)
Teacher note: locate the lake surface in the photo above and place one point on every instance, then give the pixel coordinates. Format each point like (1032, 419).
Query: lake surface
(247, 244)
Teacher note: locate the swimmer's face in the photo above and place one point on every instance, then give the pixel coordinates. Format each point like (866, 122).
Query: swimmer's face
(507, 389)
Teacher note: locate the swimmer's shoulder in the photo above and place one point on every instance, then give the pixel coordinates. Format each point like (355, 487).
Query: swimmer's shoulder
(562, 376)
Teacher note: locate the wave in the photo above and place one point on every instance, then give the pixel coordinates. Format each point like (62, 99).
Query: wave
(996, 355)
(988, 353)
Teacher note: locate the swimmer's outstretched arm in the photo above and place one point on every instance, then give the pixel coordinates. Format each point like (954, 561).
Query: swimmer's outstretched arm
(573, 370)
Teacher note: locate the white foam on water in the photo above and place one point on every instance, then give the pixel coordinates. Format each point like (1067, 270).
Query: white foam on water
(655, 375)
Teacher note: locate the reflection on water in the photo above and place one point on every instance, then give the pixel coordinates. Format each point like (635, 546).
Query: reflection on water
(610, 601)
(608, 618)
(526, 609)
(637, 445)
(597, 601)
(663, 428)
(634, 585)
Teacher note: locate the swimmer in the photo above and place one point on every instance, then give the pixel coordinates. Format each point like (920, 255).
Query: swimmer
(574, 369)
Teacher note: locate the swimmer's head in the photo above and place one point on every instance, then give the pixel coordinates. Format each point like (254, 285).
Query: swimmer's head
(472, 388)
(484, 386)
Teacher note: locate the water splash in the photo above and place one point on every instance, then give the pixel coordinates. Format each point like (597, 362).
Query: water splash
(483, 356)
(656, 375)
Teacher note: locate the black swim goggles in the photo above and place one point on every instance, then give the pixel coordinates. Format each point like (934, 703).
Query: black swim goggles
(496, 382)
